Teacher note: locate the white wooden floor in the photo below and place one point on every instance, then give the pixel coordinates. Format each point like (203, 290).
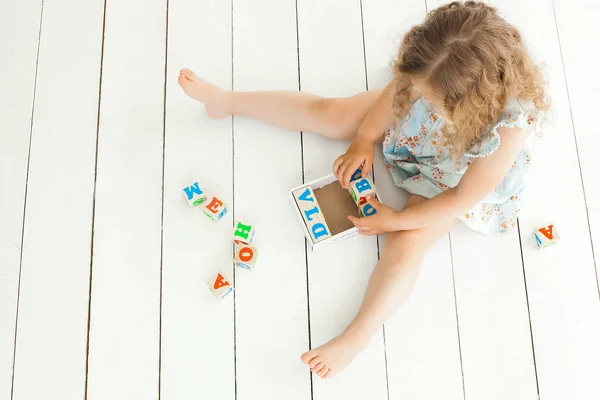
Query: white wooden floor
(103, 265)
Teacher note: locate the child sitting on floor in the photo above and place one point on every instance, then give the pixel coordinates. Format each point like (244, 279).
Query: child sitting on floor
(454, 124)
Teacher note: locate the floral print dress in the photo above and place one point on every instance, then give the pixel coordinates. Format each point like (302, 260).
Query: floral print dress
(418, 162)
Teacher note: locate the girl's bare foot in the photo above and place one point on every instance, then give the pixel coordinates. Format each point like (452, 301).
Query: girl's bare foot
(218, 102)
(328, 360)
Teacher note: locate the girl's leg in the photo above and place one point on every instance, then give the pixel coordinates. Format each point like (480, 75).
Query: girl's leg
(336, 118)
(389, 286)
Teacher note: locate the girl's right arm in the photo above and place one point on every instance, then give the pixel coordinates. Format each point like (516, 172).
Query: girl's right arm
(378, 120)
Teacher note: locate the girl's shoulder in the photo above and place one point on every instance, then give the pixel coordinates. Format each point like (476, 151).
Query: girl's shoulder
(518, 113)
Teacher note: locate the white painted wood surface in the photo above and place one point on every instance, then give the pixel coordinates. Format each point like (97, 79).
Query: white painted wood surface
(332, 64)
(124, 329)
(18, 52)
(493, 317)
(53, 307)
(422, 337)
(561, 281)
(271, 302)
(204, 348)
(197, 358)
(578, 28)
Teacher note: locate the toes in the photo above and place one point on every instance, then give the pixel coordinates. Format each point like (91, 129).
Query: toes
(188, 74)
(308, 356)
(183, 80)
(320, 369)
(319, 366)
(315, 361)
(325, 373)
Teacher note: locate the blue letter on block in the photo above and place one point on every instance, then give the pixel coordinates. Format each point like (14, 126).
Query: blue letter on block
(319, 230)
(363, 185)
(537, 240)
(310, 212)
(191, 190)
(305, 196)
(369, 210)
(356, 175)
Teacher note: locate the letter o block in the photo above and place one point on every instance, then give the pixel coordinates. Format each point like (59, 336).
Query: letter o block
(245, 256)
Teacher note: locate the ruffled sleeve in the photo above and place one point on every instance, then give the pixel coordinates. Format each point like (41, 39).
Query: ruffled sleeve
(519, 114)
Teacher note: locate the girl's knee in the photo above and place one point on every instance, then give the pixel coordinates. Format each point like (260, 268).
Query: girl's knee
(332, 117)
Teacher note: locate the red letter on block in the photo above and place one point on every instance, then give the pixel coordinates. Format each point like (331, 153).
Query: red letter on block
(547, 231)
(246, 254)
(214, 205)
(220, 282)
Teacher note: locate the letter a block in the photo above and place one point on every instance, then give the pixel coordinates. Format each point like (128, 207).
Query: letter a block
(311, 213)
(366, 210)
(194, 195)
(546, 236)
(245, 256)
(220, 286)
(243, 233)
(360, 189)
(215, 209)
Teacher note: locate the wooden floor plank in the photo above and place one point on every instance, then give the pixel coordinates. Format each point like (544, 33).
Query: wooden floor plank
(124, 329)
(197, 331)
(561, 282)
(271, 303)
(578, 30)
(53, 305)
(492, 312)
(421, 338)
(493, 316)
(332, 64)
(19, 28)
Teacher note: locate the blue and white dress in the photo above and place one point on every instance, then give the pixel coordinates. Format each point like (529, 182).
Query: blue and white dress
(415, 157)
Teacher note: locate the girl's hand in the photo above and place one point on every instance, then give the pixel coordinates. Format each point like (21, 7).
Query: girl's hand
(359, 153)
(382, 222)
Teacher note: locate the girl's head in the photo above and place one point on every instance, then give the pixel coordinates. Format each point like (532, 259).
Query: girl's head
(467, 61)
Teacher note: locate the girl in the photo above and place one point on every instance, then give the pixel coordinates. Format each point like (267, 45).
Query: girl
(454, 124)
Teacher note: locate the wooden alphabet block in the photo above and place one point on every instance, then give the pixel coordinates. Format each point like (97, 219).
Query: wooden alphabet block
(194, 195)
(360, 189)
(366, 210)
(215, 209)
(312, 215)
(243, 233)
(245, 256)
(220, 286)
(546, 236)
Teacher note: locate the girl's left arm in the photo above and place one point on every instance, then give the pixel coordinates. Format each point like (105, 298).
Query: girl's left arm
(482, 176)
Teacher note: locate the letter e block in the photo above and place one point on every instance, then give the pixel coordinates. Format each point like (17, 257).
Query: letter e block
(215, 209)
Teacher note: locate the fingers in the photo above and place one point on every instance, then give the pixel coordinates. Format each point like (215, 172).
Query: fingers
(354, 220)
(351, 167)
(342, 173)
(373, 201)
(363, 225)
(368, 165)
(337, 164)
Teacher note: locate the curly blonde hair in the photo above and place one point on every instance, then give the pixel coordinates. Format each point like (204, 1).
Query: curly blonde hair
(474, 61)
